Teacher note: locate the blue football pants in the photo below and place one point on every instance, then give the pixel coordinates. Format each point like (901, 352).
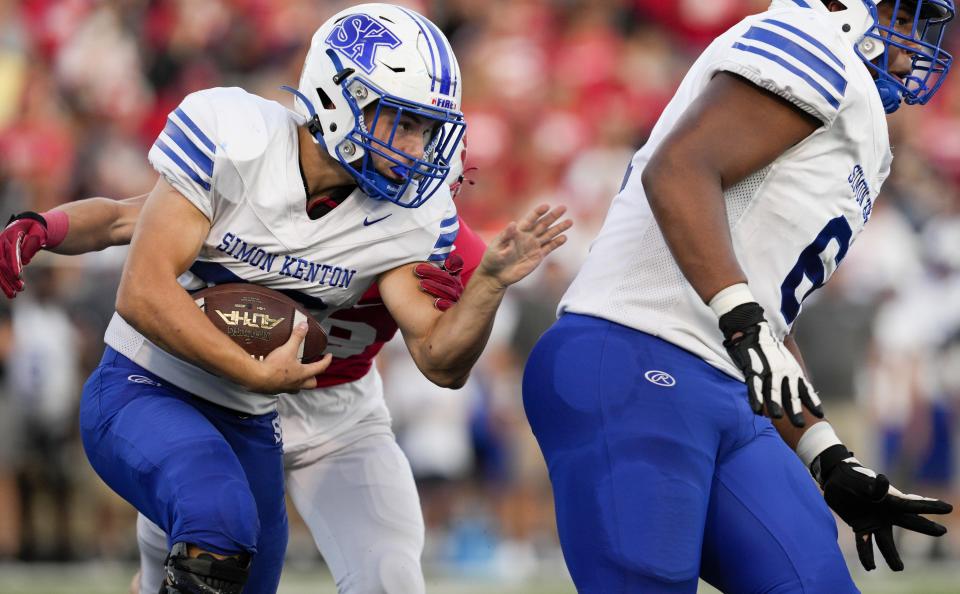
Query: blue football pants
(658, 481)
(207, 475)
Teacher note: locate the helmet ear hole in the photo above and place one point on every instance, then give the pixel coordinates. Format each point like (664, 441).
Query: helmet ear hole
(325, 100)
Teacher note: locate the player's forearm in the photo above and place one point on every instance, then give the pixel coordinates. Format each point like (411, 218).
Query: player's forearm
(451, 348)
(98, 223)
(164, 313)
(687, 201)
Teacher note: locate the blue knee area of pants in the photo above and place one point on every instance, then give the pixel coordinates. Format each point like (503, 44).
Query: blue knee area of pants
(636, 433)
(206, 475)
(767, 515)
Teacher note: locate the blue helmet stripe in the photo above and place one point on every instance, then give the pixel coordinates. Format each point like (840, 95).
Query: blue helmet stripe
(426, 36)
(811, 40)
(182, 164)
(441, 49)
(195, 129)
(802, 54)
(445, 62)
(196, 155)
(833, 101)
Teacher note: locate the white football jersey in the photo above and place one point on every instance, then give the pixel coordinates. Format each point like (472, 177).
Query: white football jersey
(791, 222)
(235, 156)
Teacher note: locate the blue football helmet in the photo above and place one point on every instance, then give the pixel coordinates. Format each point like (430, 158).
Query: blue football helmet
(391, 58)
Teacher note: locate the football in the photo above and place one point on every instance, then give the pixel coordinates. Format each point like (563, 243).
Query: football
(260, 319)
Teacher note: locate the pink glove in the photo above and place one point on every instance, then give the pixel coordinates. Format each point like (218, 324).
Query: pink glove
(25, 235)
(443, 283)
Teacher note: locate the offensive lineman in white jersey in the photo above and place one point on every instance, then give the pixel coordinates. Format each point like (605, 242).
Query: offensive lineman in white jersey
(181, 421)
(755, 180)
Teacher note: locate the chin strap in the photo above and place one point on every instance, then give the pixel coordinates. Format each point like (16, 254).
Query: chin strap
(889, 95)
(313, 124)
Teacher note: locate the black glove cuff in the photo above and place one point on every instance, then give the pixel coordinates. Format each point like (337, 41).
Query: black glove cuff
(741, 318)
(29, 214)
(823, 465)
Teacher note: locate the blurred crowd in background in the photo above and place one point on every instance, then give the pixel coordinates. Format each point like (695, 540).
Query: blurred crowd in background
(558, 95)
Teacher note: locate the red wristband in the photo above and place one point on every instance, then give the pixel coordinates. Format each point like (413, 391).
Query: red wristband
(58, 223)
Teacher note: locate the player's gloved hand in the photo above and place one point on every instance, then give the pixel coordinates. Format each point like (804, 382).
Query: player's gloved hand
(870, 505)
(443, 283)
(24, 236)
(774, 378)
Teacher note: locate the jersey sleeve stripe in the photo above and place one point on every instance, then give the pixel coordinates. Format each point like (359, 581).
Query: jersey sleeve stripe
(808, 38)
(446, 239)
(169, 152)
(801, 54)
(438, 257)
(196, 155)
(195, 129)
(451, 221)
(833, 101)
(801, 3)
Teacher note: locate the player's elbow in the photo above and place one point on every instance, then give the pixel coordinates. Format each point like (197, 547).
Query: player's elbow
(447, 378)
(133, 302)
(662, 170)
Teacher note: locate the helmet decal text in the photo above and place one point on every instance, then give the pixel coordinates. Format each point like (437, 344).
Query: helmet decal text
(358, 37)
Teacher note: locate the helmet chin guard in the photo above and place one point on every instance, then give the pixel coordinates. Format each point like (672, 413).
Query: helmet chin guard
(377, 59)
(921, 37)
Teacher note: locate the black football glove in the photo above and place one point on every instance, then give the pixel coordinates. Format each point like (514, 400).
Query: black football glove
(870, 505)
(773, 376)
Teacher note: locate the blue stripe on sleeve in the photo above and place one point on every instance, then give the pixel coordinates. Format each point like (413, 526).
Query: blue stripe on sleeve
(183, 141)
(182, 164)
(438, 257)
(195, 129)
(833, 101)
(802, 54)
(808, 38)
(801, 3)
(446, 239)
(452, 220)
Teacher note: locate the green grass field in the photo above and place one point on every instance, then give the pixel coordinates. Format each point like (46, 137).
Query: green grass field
(114, 578)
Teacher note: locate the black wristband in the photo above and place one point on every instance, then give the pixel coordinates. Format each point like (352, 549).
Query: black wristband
(740, 318)
(824, 464)
(29, 214)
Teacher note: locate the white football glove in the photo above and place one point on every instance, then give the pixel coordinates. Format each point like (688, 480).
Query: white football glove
(774, 378)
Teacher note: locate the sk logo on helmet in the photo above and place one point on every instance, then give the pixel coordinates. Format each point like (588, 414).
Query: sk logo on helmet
(358, 36)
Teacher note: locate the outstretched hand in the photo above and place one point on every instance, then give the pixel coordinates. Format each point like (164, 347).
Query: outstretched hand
(871, 506)
(517, 250)
(19, 243)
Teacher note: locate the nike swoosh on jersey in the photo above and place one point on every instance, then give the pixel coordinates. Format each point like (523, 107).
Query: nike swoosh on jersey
(367, 222)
